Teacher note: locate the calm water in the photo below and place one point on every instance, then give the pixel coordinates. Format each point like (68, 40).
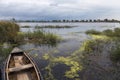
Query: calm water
(77, 27)
(72, 40)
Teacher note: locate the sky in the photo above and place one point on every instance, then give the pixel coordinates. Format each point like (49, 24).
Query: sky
(59, 9)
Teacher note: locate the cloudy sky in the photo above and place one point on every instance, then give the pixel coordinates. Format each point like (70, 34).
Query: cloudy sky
(59, 9)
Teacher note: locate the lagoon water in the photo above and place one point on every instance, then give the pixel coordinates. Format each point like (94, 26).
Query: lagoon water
(72, 40)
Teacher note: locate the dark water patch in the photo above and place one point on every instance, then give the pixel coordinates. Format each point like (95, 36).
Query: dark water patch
(0, 74)
(59, 71)
(2, 70)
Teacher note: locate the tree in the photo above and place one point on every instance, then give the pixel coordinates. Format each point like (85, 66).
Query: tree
(105, 20)
(90, 20)
(64, 20)
(13, 19)
(94, 21)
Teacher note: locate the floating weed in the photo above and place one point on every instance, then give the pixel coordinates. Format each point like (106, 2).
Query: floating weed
(46, 57)
(35, 55)
(71, 61)
(56, 51)
(101, 37)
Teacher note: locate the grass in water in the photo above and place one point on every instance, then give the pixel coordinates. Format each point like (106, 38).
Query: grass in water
(10, 32)
(109, 35)
(25, 26)
(115, 54)
(42, 37)
(50, 26)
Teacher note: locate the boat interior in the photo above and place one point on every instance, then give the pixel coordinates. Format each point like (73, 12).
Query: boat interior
(21, 68)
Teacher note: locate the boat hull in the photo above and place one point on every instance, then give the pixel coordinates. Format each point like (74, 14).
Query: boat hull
(19, 66)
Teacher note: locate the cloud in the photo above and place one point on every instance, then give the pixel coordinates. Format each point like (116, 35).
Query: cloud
(59, 9)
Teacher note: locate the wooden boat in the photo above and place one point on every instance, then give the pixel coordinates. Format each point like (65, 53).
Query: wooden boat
(19, 66)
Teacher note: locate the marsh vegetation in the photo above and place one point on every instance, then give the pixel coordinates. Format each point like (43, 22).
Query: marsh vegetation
(11, 35)
(10, 32)
(110, 36)
(48, 26)
(77, 57)
(102, 54)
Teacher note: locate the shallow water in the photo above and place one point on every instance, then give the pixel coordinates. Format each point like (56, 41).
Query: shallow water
(77, 27)
(72, 40)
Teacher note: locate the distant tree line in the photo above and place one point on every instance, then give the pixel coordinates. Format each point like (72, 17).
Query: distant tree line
(65, 20)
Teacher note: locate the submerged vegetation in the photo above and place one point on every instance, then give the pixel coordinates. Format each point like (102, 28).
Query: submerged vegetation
(115, 54)
(110, 36)
(72, 62)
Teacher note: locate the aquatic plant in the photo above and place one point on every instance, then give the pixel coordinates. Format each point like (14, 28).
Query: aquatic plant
(50, 26)
(88, 46)
(20, 38)
(115, 54)
(110, 33)
(93, 32)
(8, 31)
(117, 32)
(72, 61)
(40, 36)
(25, 26)
(4, 52)
(75, 66)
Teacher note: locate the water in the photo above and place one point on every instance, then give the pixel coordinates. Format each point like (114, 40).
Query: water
(73, 39)
(77, 27)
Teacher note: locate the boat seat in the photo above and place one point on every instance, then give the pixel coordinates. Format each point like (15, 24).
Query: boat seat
(18, 61)
(23, 67)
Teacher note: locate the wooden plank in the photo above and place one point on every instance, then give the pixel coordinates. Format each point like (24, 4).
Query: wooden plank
(22, 76)
(36, 70)
(16, 50)
(20, 68)
(18, 60)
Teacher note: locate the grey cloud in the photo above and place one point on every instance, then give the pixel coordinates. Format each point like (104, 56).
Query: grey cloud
(56, 9)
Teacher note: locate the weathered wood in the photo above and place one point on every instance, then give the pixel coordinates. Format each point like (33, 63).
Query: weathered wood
(23, 76)
(16, 50)
(23, 69)
(18, 61)
(20, 68)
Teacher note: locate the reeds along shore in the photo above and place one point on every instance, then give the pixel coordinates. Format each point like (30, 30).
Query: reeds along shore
(114, 36)
(10, 32)
(48, 26)
(11, 35)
